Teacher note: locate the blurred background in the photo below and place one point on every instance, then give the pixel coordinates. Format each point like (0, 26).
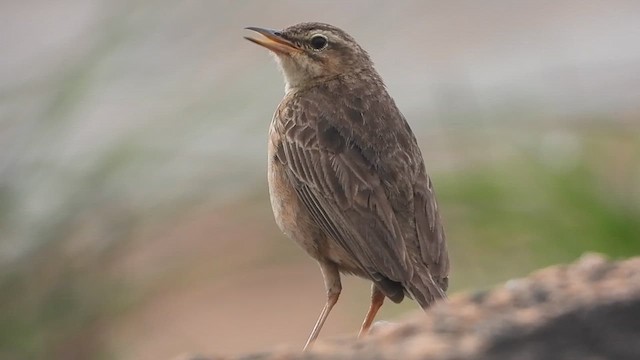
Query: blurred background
(134, 215)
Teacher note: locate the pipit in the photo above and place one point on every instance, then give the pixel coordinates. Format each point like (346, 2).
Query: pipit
(347, 180)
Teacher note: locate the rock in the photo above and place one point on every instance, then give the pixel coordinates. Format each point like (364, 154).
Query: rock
(586, 310)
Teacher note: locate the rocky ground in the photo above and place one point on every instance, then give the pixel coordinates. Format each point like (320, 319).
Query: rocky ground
(586, 310)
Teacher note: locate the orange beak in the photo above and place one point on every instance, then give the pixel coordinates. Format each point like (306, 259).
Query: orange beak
(272, 40)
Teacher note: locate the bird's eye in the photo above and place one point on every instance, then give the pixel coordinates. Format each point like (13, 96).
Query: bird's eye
(319, 42)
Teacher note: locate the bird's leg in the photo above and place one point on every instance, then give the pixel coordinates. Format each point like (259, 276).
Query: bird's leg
(334, 287)
(377, 299)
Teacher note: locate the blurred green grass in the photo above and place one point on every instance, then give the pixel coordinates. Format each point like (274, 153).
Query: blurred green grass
(508, 221)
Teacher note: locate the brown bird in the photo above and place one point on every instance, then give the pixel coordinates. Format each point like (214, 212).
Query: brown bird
(346, 177)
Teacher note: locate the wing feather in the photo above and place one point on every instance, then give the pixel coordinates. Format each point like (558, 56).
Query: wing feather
(343, 193)
(431, 237)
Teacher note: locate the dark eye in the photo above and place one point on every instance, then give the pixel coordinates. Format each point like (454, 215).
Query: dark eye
(319, 42)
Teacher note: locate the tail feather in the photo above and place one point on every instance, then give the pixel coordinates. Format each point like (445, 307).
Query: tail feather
(424, 290)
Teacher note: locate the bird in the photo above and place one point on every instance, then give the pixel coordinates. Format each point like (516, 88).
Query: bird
(347, 180)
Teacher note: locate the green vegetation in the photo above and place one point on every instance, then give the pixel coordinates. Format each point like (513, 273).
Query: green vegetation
(508, 219)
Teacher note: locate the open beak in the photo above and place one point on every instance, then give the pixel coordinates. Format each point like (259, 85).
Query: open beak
(272, 41)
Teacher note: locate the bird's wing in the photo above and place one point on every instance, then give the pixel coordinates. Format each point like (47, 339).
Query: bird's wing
(431, 237)
(344, 194)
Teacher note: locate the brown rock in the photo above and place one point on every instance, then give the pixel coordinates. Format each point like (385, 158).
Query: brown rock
(586, 310)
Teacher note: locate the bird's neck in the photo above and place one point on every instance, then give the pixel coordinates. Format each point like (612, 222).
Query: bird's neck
(293, 82)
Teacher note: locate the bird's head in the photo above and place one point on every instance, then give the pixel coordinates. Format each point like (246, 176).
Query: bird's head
(309, 53)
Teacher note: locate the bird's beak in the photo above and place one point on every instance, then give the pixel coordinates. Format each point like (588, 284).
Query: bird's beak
(272, 41)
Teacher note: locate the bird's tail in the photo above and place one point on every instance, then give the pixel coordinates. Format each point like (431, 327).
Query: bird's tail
(425, 290)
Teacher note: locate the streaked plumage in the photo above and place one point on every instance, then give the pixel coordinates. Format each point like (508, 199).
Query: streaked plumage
(346, 177)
